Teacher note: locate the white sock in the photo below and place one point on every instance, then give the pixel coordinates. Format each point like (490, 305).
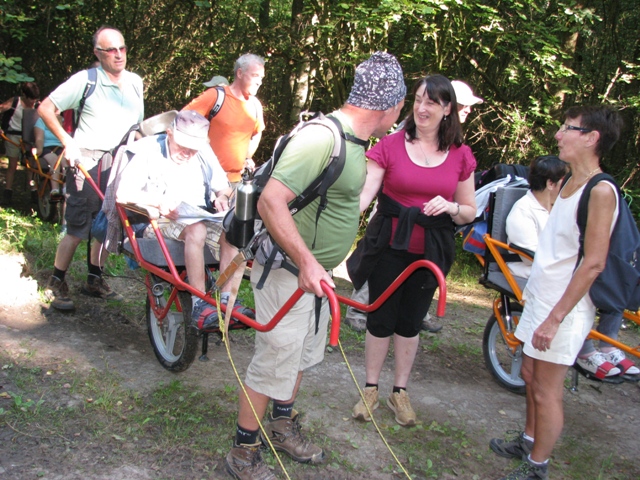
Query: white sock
(527, 437)
(537, 464)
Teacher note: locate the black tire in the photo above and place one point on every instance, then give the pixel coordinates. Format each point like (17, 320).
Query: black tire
(47, 209)
(500, 361)
(174, 340)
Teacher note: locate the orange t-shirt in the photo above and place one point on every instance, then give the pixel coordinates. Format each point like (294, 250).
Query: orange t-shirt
(231, 129)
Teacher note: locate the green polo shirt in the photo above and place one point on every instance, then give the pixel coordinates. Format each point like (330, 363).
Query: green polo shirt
(108, 112)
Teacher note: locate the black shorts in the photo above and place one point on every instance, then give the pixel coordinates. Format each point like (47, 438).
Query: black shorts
(83, 202)
(405, 309)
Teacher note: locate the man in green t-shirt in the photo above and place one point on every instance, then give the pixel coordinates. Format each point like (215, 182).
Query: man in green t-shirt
(115, 105)
(298, 341)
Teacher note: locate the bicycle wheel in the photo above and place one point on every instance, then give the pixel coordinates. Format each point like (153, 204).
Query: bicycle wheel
(503, 364)
(173, 339)
(47, 208)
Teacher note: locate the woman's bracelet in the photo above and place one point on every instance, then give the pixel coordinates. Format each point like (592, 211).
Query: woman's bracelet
(458, 211)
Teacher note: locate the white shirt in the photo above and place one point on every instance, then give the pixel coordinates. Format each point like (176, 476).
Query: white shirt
(525, 222)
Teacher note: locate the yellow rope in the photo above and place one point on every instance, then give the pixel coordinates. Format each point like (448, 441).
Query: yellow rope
(373, 420)
(224, 330)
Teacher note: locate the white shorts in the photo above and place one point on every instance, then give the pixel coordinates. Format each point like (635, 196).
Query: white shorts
(571, 333)
(293, 345)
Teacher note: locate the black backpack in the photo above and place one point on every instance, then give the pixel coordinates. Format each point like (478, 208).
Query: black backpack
(6, 117)
(267, 252)
(500, 170)
(618, 286)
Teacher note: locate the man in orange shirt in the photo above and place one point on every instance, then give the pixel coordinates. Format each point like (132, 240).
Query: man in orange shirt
(236, 128)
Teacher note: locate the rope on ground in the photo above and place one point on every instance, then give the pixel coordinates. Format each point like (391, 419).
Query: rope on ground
(373, 420)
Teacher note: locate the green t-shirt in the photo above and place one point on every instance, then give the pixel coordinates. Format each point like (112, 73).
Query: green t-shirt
(108, 113)
(302, 161)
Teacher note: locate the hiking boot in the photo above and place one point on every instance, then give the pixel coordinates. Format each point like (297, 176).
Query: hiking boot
(285, 436)
(245, 462)
(400, 405)
(598, 365)
(431, 325)
(528, 471)
(97, 287)
(518, 448)
(57, 292)
(371, 397)
(356, 319)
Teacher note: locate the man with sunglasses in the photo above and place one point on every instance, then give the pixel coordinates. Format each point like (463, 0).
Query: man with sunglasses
(106, 115)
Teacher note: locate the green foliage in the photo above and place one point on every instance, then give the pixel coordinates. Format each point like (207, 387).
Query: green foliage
(11, 70)
(529, 60)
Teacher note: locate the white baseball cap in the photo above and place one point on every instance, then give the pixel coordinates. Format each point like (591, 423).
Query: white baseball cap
(191, 130)
(464, 94)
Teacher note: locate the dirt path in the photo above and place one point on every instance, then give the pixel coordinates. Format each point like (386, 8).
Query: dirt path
(450, 389)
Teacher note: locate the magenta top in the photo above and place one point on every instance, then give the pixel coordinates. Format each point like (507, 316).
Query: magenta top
(413, 185)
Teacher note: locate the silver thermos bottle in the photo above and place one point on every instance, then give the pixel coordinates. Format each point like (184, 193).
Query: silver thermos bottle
(241, 230)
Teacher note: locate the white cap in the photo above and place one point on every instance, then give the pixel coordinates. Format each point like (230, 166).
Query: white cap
(464, 95)
(190, 130)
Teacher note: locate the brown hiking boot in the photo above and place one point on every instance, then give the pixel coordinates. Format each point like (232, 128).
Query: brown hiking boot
(57, 292)
(400, 405)
(245, 462)
(285, 436)
(360, 410)
(98, 287)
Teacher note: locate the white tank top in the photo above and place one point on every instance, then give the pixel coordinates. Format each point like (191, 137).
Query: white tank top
(557, 253)
(16, 119)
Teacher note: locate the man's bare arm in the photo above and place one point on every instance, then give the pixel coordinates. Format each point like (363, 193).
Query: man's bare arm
(47, 111)
(274, 211)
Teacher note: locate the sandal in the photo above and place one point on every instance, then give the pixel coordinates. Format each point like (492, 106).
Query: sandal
(597, 367)
(627, 368)
(238, 308)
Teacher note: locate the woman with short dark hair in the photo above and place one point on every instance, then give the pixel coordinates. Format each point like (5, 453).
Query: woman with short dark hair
(558, 312)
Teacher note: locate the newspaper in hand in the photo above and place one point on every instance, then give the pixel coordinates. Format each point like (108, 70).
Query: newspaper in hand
(189, 214)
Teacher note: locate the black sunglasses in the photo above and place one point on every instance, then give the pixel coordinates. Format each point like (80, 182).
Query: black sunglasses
(113, 50)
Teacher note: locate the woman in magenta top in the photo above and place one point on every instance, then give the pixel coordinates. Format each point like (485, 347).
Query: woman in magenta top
(426, 174)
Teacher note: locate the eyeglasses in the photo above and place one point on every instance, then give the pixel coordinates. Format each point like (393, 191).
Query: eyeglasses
(113, 50)
(564, 127)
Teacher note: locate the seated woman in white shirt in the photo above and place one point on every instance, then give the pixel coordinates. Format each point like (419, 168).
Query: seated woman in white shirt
(529, 215)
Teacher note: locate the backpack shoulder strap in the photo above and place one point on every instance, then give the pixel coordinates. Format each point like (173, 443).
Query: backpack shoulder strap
(206, 175)
(88, 91)
(218, 103)
(332, 171)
